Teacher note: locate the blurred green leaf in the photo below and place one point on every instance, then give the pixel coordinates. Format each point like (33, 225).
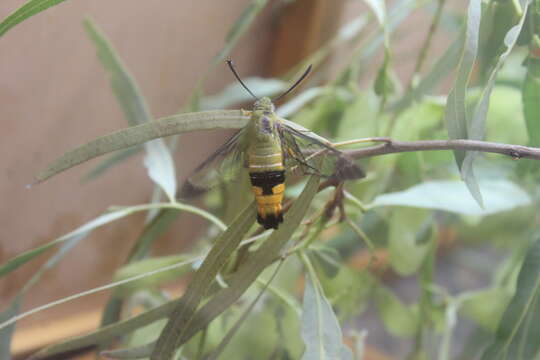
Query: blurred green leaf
(456, 114)
(498, 17)
(476, 128)
(31, 8)
(123, 84)
(359, 118)
(6, 333)
(519, 329)
(139, 134)
(248, 272)
(500, 195)
(23, 258)
(349, 291)
(531, 100)
(320, 327)
(234, 329)
(149, 265)
(257, 261)
(486, 307)
(408, 247)
(399, 319)
(83, 230)
(379, 9)
(158, 159)
(444, 65)
(202, 280)
(384, 83)
(106, 333)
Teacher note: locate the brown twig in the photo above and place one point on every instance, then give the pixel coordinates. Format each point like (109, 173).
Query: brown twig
(392, 147)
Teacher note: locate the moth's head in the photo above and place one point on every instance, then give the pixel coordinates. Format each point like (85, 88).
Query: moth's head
(264, 104)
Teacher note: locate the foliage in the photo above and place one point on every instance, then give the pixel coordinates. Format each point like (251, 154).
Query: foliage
(410, 211)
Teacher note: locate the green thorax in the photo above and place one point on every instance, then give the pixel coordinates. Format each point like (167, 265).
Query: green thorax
(263, 138)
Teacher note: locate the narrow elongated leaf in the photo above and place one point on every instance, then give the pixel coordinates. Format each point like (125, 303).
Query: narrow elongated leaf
(31, 8)
(139, 134)
(519, 329)
(246, 274)
(148, 265)
(444, 65)
(234, 329)
(201, 282)
(455, 114)
(158, 159)
(320, 327)
(160, 165)
(410, 230)
(379, 9)
(122, 82)
(238, 283)
(500, 195)
(531, 105)
(398, 318)
(107, 333)
(23, 258)
(7, 333)
(476, 129)
(9, 315)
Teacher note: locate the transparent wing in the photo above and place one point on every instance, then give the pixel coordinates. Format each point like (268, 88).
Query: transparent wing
(222, 166)
(312, 156)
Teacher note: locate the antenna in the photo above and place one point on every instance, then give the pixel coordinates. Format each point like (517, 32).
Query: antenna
(231, 66)
(295, 84)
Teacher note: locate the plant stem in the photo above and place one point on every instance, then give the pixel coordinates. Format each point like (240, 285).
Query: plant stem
(391, 147)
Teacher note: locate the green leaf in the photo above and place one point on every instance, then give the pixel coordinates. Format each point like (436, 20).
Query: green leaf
(201, 282)
(234, 329)
(485, 307)
(148, 265)
(399, 319)
(500, 195)
(23, 258)
(531, 100)
(455, 114)
(519, 329)
(476, 129)
(248, 272)
(139, 134)
(158, 159)
(31, 8)
(8, 317)
(320, 328)
(6, 333)
(349, 291)
(379, 9)
(106, 333)
(444, 65)
(122, 82)
(409, 229)
(83, 230)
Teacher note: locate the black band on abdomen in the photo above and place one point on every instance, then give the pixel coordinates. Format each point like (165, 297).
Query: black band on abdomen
(266, 180)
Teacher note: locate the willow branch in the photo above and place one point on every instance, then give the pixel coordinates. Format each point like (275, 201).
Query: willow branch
(391, 147)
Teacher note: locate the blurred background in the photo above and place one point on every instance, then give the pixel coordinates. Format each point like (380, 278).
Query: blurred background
(55, 95)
